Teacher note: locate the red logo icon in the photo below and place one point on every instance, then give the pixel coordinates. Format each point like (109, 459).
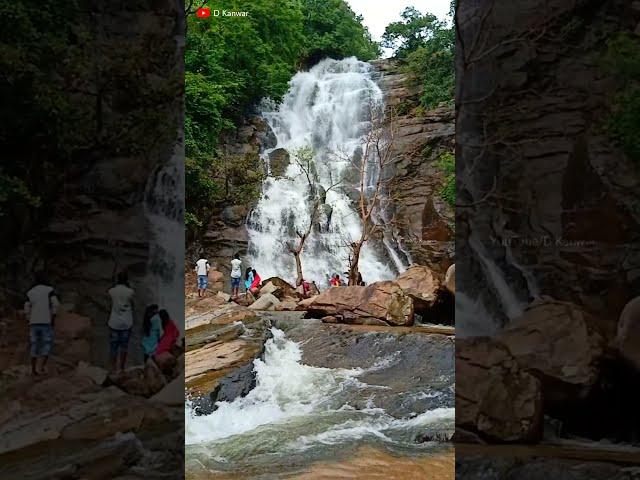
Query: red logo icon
(203, 12)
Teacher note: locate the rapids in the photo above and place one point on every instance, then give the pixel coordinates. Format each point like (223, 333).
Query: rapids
(296, 414)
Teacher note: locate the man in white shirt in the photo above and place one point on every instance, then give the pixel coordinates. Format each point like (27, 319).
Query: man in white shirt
(41, 308)
(120, 321)
(236, 275)
(202, 270)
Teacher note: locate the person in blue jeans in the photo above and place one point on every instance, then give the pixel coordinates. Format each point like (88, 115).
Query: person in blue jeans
(202, 271)
(120, 321)
(41, 308)
(236, 275)
(152, 331)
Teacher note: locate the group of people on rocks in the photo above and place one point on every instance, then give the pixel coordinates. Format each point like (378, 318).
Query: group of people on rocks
(159, 331)
(336, 281)
(252, 280)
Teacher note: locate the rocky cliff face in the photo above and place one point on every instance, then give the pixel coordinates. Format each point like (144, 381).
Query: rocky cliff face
(120, 205)
(550, 200)
(226, 233)
(421, 221)
(547, 212)
(424, 223)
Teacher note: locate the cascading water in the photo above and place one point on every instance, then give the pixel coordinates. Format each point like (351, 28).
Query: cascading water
(327, 109)
(164, 208)
(298, 412)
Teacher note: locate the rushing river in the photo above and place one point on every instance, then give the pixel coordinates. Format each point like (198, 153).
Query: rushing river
(298, 414)
(328, 109)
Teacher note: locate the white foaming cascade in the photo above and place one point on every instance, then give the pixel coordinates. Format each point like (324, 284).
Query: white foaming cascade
(285, 388)
(328, 109)
(304, 405)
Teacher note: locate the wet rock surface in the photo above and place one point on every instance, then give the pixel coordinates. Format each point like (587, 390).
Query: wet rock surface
(410, 372)
(221, 346)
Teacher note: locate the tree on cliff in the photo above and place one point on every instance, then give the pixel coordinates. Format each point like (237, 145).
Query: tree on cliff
(427, 45)
(373, 174)
(303, 157)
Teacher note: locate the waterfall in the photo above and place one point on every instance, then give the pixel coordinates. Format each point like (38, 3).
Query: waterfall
(164, 209)
(327, 109)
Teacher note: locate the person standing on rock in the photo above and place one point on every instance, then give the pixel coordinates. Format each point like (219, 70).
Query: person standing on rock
(120, 321)
(236, 275)
(248, 278)
(151, 331)
(41, 308)
(202, 270)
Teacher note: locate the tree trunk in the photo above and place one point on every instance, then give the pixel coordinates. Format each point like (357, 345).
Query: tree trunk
(353, 266)
(296, 255)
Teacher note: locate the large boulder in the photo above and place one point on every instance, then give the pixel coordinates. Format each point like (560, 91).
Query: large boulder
(421, 284)
(216, 281)
(279, 288)
(172, 393)
(267, 301)
(628, 336)
(381, 303)
(304, 304)
(494, 397)
(287, 305)
(96, 374)
(142, 381)
(557, 342)
(73, 351)
(279, 160)
(450, 279)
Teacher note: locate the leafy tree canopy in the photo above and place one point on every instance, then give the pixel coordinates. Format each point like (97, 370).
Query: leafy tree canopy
(427, 44)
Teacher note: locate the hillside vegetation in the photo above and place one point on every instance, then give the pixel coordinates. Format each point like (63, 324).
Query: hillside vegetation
(233, 63)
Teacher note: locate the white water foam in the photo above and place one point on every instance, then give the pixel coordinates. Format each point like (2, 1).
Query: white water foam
(327, 109)
(380, 426)
(285, 388)
(288, 392)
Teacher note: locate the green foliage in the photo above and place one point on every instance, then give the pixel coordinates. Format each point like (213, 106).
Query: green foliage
(71, 98)
(624, 124)
(434, 64)
(35, 107)
(428, 46)
(13, 192)
(411, 32)
(303, 156)
(332, 29)
(622, 59)
(233, 63)
(223, 180)
(447, 163)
